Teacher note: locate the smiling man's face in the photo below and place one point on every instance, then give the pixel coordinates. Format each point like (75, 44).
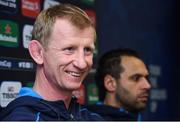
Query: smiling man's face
(69, 55)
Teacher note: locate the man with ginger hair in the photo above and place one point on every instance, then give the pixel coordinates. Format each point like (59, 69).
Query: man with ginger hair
(62, 46)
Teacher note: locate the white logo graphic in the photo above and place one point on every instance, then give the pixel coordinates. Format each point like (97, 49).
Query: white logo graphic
(49, 3)
(8, 3)
(9, 91)
(27, 35)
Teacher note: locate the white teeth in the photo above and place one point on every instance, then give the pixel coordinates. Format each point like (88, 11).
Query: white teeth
(74, 74)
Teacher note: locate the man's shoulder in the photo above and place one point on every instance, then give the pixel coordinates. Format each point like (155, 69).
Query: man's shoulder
(18, 109)
(110, 113)
(89, 115)
(17, 114)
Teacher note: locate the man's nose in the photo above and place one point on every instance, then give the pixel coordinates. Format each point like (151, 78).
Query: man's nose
(80, 61)
(147, 84)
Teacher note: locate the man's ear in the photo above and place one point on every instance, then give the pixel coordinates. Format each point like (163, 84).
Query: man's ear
(110, 83)
(36, 51)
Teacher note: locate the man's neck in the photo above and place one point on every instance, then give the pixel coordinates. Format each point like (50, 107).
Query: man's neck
(50, 92)
(110, 100)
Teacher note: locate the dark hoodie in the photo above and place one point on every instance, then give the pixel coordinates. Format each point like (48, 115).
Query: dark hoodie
(110, 113)
(30, 106)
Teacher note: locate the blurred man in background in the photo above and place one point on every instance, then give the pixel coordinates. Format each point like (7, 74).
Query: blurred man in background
(122, 81)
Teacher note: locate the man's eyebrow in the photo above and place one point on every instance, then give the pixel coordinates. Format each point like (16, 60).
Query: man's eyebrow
(136, 74)
(139, 75)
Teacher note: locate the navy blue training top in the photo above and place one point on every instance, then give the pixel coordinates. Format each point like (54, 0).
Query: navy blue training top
(30, 106)
(110, 113)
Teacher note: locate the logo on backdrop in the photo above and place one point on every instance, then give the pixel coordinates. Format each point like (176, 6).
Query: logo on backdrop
(92, 15)
(30, 8)
(27, 35)
(88, 2)
(9, 91)
(49, 3)
(9, 33)
(16, 64)
(8, 6)
(92, 92)
(156, 94)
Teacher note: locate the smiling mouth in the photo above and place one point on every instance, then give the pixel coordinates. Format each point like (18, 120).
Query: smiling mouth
(74, 74)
